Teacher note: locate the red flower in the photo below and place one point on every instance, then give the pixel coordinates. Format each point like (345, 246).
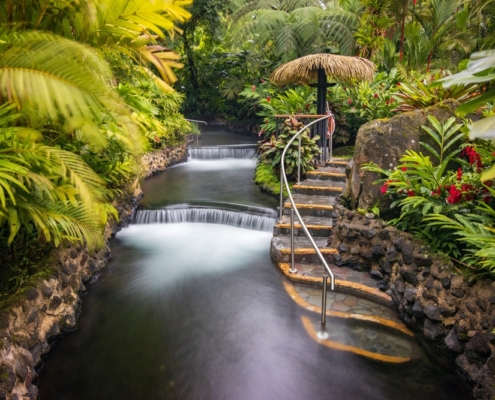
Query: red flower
(375, 95)
(466, 187)
(437, 191)
(268, 99)
(253, 88)
(307, 106)
(404, 168)
(486, 199)
(454, 195)
(474, 158)
(384, 188)
(349, 101)
(459, 174)
(410, 193)
(398, 83)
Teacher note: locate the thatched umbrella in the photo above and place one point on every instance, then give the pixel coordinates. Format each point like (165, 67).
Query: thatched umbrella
(315, 68)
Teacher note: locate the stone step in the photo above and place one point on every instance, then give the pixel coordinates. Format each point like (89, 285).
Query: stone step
(358, 283)
(375, 344)
(317, 226)
(345, 306)
(328, 173)
(316, 206)
(304, 251)
(338, 162)
(319, 187)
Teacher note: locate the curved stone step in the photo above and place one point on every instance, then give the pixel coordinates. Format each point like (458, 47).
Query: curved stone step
(317, 226)
(338, 162)
(346, 280)
(319, 187)
(345, 306)
(327, 173)
(304, 251)
(362, 341)
(312, 205)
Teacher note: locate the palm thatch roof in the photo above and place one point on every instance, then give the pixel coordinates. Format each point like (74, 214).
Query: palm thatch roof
(305, 69)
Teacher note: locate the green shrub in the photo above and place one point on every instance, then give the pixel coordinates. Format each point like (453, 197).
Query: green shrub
(271, 150)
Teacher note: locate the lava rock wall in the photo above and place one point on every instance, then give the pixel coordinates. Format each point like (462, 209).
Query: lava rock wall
(454, 313)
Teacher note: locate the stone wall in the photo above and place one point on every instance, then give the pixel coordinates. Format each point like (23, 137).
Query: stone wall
(45, 309)
(442, 307)
(158, 161)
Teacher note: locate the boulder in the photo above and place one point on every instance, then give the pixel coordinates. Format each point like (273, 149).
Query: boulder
(383, 142)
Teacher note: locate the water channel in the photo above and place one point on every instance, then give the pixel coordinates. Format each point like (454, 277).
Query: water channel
(196, 310)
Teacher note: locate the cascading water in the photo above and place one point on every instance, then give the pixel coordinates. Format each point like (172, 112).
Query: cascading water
(208, 215)
(218, 153)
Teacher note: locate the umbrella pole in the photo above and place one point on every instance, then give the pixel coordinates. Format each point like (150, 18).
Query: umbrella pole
(321, 109)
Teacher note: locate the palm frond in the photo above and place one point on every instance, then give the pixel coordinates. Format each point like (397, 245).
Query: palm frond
(46, 73)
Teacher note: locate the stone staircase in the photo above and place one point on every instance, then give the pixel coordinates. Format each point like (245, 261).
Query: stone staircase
(315, 200)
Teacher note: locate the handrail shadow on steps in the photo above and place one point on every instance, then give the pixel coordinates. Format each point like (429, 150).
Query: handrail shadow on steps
(283, 181)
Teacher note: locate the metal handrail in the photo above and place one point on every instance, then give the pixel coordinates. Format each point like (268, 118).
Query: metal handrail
(196, 122)
(283, 180)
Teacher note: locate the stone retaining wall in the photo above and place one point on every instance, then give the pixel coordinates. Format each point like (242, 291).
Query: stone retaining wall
(158, 161)
(50, 306)
(441, 306)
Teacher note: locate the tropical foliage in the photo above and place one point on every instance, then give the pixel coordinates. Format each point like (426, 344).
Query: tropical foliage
(435, 199)
(83, 85)
(271, 150)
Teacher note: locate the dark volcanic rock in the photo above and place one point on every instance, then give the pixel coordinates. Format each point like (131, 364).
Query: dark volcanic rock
(452, 342)
(433, 330)
(409, 276)
(432, 312)
(478, 349)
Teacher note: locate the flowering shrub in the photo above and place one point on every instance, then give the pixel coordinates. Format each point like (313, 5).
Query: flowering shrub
(432, 197)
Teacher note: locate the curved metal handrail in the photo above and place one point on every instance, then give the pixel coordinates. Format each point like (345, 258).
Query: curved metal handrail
(283, 180)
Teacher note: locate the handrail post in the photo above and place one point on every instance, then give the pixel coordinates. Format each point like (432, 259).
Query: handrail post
(293, 269)
(331, 146)
(324, 300)
(281, 196)
(299, 162)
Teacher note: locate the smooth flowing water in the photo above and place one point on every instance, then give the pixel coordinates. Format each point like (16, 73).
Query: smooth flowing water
(194, 310)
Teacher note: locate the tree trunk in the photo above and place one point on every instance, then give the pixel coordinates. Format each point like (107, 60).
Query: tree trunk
(193, 71)
(401, 49)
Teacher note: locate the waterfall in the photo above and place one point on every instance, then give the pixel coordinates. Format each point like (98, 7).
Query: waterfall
(216, 153)
(209, 215)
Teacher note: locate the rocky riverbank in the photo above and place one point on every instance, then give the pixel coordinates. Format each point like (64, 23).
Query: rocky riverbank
(445, 309)
(43, 311)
